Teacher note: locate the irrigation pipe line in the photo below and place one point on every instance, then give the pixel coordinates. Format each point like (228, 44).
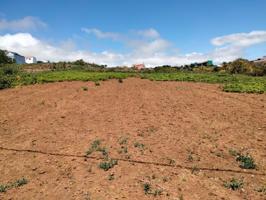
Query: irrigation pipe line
(136, 161)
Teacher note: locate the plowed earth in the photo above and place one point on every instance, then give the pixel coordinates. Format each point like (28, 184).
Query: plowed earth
(175, 136)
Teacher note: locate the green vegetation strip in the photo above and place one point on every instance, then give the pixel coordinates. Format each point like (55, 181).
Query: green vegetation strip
(17, 183)
(11, 76)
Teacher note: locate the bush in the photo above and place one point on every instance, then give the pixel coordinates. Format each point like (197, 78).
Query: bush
(6, 82)
(239, 66)
(10, 70)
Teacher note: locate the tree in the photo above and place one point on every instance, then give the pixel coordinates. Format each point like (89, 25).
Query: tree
(4, 59)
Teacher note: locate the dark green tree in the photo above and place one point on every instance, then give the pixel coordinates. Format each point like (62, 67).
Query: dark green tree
(4, 59)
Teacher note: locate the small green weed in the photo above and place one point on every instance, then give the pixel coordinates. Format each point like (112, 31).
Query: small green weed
(262, 189)
(139, 145)
(194, 170)
(157, 192)
(233, 152)
(146, 188)
(95, 146)
(108, 164)
(97, 83)
(111, 177)
(234, 184)
(3, 188)
(123, 140)
(84, 88)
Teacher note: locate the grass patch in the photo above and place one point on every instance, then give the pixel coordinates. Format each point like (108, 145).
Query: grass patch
(17, 183)
(245, 87)
(232, 83)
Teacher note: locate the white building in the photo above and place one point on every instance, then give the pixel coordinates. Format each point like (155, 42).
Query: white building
(15, 56)
(30, 60)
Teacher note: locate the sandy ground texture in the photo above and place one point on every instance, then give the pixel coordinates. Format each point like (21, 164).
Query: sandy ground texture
(174, 136)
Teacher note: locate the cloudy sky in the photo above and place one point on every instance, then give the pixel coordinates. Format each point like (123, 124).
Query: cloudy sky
(123, 32)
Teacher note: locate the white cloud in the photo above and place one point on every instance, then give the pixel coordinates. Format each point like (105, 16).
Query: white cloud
(153, 52)
(102, 35)
(149, 33)
(24, 24)
(241, 39)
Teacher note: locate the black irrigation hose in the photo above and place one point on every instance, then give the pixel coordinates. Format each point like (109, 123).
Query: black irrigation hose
(137, 161)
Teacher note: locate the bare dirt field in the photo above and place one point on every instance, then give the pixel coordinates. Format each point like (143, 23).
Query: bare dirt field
(175, 137)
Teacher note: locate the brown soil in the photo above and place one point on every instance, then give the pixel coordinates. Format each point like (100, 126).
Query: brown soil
(187, 130)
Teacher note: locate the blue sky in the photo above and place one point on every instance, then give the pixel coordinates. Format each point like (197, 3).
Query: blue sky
(123, 32)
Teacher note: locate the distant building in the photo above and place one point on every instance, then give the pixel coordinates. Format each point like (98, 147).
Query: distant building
(263, 59)
(30, 60)
(138, 66)
(206, 63)
(15, 56)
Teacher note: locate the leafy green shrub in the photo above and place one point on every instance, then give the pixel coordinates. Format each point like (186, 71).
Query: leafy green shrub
(10, 69)
(234, 184)
(6, 82)
(246, 161)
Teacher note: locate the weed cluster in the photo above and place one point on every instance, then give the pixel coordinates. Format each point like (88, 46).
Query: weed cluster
(106, 165)
(148, 190)
(96, 146)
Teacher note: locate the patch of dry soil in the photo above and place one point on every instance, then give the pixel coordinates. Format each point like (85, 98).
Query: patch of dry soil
(189, 127)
